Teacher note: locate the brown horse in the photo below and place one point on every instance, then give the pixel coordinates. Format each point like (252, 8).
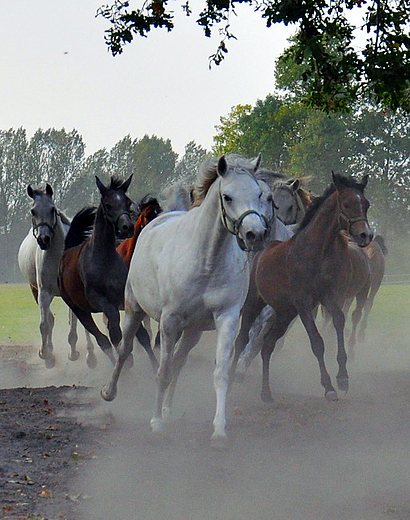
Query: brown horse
(92, 274)
(148, 209)
(376, 252)
(294, 277)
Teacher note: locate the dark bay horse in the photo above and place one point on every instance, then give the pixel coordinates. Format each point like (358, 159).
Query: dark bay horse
(294, 277)
(92, 274)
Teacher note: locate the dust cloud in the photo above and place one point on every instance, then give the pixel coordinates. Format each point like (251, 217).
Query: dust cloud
(298, 458)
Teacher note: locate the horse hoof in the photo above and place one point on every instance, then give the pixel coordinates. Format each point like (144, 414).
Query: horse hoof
(219, 442)
(108, 395)
(91, 361)
(266, 397)
(157, 425)
(331, 395)
(343, 383)
(50, 361)
(73, 356)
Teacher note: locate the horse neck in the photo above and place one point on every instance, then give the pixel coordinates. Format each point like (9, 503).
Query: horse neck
(210, 233)
(103, 236)
(323, 230)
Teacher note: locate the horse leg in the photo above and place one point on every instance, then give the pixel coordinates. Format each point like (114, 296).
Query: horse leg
(73, 336)
(227, 326)
(318, 348)
(170, 332)
(89, 324)
(366, 311)
(46, 328)
(261, 326)
(249, 314)
(132, 320)
(339, 320)
(269, 342)
(361, 299)
(185, 345)
(143, 338)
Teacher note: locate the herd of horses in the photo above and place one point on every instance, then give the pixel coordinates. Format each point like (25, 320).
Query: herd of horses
(244, 251)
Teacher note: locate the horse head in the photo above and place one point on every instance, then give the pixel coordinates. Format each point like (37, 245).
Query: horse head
(43, 215)
(149, 208)
(247, 208)
(353, 207)
(116, 206)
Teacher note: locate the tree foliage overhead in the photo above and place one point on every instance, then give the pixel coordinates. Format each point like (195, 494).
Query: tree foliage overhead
(333, 71)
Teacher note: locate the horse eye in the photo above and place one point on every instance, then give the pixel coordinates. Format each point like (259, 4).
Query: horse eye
(346, 205)
(33, 212)
(227, 198)
(108, 207)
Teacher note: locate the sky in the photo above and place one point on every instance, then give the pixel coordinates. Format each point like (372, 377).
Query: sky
(57, 72)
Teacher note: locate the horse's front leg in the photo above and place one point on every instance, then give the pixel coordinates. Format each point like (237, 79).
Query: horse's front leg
(318, 348)
(73, 336)
(227, 326)
(132, 320)
(339, 325)
(46, 328)
(111, 312)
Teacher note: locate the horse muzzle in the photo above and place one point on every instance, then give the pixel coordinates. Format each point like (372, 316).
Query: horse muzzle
(363, 236)
(44, 242)
(124, 227)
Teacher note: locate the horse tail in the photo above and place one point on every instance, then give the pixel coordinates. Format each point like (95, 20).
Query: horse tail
(380, 240)
(81, 227)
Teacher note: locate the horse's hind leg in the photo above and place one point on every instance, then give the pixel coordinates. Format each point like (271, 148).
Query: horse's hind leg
(88, 323)
(73, 336)
(339, 320)
(144, 339)
(185, 345)
(170, 333)
(132, 320)
(318, 348)
(361, 299)
(46, 328)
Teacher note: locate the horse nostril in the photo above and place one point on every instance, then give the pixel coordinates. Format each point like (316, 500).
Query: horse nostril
(46, 239)
(250, 236)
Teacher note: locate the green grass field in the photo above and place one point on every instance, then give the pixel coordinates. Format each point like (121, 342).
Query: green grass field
(19, 314)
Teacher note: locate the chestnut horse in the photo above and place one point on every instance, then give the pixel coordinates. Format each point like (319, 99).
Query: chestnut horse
(148, 209)
(92, 274)
(294, 277)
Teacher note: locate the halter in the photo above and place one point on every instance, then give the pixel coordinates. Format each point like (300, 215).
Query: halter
(350, 221)
(35, 227)
(236, 223)
(113, 220)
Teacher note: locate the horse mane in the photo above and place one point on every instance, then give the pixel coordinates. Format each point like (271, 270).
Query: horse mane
(145, 202)
(208, 173)
(64, 218)
(380, 240)
(270, 177)
(81, 227)
(116, 183)
(317, 202)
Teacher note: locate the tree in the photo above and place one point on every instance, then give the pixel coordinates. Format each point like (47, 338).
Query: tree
(187, 168)
(334, 72)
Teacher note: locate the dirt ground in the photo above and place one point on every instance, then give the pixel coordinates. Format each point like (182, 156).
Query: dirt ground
(67, 454)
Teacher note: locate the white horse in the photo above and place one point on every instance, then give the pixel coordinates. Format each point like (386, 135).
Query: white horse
(39, 257)
(190, 272)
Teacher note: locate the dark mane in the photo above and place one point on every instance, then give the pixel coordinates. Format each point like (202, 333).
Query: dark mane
(348, 182)
(116, 183)
(147, 201)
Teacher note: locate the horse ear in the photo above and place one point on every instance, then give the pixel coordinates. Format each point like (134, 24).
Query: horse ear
(49, 190)
(336, 180)
(365, 180)
(30, 191)
(222, 166)
(100, 185)
(126, 184)
(295, 185)
(256, 162)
